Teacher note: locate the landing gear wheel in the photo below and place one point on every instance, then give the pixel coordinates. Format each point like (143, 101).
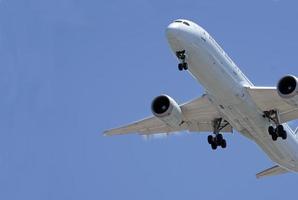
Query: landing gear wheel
(210, 139)
(213, 145)
(279, 131)
(274, 137)
(219, 139)
(182, 57)
(185, 66)
(180, 66)
(223, 144)
(271, 130)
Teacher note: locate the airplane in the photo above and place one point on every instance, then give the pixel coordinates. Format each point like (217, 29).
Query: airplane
(230, 102)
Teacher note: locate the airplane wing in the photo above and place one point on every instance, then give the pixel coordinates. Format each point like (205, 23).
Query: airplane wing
(267, 98)
(198, 115)
(275, 170)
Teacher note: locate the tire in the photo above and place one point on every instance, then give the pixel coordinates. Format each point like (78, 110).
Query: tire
(274, 137)
(271, 130)
(185, 66)
(213, 145)
(223, 144)
(219, 139)
(180, 66)
(280, 129)
(210, 139)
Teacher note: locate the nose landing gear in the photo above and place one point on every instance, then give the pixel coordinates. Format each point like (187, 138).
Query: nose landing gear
(181, 56)
(279, 131)
(218, 139)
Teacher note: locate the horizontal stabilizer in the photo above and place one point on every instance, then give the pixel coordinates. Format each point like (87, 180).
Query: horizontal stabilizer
(276, 170)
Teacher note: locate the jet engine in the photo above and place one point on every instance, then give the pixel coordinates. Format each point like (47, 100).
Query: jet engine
(166, 109)
(287, 88)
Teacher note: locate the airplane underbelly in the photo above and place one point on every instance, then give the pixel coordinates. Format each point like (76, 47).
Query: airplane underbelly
(237, 107)
(209, 72)
(254, 126)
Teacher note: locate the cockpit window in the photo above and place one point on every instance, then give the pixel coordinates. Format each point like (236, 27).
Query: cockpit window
(183, 22)
(186, 23)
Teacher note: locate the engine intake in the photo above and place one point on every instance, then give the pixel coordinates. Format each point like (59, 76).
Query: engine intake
(166, 109)
(288, 90)
(160, 105)
(287, 86)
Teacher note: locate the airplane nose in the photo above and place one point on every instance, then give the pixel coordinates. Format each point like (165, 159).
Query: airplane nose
(172, 30)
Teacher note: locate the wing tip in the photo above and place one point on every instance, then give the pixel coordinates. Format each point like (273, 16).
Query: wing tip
(113, 132)
(272, 171)
(258, 176)
(106, 133)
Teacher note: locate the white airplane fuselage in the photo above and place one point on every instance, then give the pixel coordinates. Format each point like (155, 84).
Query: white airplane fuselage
(226, 87)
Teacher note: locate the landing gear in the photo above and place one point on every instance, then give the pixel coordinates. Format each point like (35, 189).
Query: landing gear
(279, 131)
(218, 139)
(181, 56)
(182, 66)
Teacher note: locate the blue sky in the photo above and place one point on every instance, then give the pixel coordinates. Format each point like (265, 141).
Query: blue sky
(70, 69)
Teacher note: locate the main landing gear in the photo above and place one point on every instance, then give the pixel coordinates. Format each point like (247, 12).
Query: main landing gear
(181, 56)
(278, 130)
(218, 140)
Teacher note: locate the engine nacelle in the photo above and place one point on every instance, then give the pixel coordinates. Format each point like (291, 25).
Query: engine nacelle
(166, 109)
(287, 88)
